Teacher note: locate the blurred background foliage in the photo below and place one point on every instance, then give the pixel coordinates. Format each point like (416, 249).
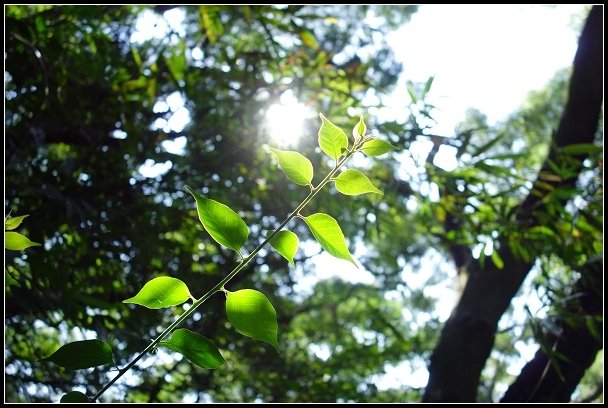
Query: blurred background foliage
(87, 105)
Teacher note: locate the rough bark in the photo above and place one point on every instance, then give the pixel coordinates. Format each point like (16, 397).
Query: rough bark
(468, 336)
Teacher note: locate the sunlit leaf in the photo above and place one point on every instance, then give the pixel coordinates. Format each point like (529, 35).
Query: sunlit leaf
(136, 56)
(224, 225)
(161, 292)
(353, 182)
(295, 166)
(252, 314)
(412, 93)
(286, 243)
(359, 129)
(427, 86)
(13, 222)
(328, 233)
(74, 397)
(82, 354)
(196, 348)
(497, 260)
(17, 242)
(376, 147)
(332, 140)
(308, 39)
(210, 23)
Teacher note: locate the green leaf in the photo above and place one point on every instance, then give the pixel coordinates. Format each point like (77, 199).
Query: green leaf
(14, 222)
(295, 166)
(376, 147)
(17, 242)
(427, 86)
(74, 396)
(353, 182)
(488, 145)
(161, 292)
(308, 39)
(210, 23)
(82, 354)
(196, 348)
(332, 140)
(224, 225)
(252, 314)
(411, 92)
(359, 129)
(9, 280)
(176, 62)
(582, 148)
(497, 260)
(286, 243)
(328, 233)
(136, 56)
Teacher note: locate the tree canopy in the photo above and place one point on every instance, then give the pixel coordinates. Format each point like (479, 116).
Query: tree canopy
(106, 127)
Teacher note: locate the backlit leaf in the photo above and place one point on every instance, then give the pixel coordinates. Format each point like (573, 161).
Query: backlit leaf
(412, 92)
(295, 166)
(359, 129)
(161, 292)
(308, 39)
(332, 140)
(328, 233)
(376, 147)
(13, 222)
(497, 260)
(82, 354)
(427, 86)
(286, 243)
(252, 314)
(353, 182)
(196, 348)
(224, 225)
(17, 242)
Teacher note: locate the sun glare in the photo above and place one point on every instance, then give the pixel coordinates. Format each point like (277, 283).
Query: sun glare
(285, 120)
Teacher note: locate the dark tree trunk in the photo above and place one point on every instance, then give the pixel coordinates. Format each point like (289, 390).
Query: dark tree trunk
(543, 380)
(468, 336)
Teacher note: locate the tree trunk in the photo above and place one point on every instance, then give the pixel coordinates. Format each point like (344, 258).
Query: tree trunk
(575, 347)
(468, 336)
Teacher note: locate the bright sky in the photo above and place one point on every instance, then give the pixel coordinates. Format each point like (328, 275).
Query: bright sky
(488, 57)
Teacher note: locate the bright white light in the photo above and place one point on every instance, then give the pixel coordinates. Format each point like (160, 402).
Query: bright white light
(492, 71)
(285, 120)
(321, 351)
(176, 146)
(150, 25)
(152, 169)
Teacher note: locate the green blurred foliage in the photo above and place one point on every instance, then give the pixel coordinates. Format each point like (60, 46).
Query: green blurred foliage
(84, 111)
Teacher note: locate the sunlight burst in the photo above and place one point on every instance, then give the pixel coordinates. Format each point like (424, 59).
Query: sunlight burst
(285, 120)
